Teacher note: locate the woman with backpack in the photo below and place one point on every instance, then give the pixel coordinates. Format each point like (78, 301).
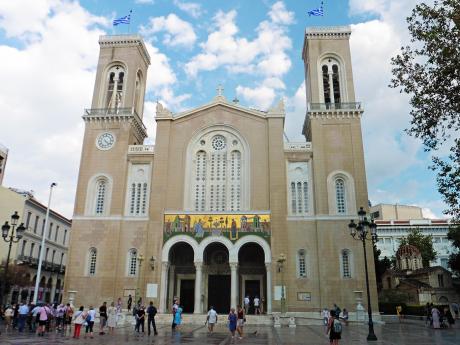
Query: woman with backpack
(80, 317)
(334, 327)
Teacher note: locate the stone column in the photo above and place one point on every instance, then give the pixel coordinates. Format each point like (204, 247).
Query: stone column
(171, 278)
(198, 287)
(234, 285)
(268, 267)
(163, 286)
(331, 87)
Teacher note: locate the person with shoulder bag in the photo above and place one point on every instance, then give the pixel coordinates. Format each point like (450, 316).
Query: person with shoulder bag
(80, 318)
(334, 327)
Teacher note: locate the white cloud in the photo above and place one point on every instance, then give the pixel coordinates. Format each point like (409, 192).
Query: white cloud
(177, 32)
(263, 95)
(192, 8)
(280, 15)
(296, 108)
(143, 2)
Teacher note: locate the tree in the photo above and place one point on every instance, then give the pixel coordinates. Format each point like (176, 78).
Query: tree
(424, 243)
(381, 265)
(429, 71)
(454, 258)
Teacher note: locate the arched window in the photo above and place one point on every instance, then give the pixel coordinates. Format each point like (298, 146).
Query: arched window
(101, 189)
(219, 172)
(301, 264)
(340, 196)
(138, 93)
(298, 185)
(115, 81)
(132, 262)
(92, 257)
(346, 264)
(138, 190)
(331, 76)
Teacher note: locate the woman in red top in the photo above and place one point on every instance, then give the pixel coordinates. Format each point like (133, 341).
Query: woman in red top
(240, 322)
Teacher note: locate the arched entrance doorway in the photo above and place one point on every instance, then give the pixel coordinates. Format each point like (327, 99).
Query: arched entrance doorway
(252, 272)
(217, 275)
(182, 275)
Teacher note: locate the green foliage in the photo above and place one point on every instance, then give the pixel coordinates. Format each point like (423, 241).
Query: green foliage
(454, 259)
(429, 71)
(394, 296)
(423, 242)
(381, 265)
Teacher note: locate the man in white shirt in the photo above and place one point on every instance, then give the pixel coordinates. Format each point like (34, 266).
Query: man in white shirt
(23, 312)
(246, 305)
(211, 319)
(256, 305)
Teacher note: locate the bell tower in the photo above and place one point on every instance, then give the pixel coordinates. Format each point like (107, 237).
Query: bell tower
(333, 122)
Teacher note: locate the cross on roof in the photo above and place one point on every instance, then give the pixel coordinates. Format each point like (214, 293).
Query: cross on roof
(220, 90)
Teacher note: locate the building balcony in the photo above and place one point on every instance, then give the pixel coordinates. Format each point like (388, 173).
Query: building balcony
(334, 106)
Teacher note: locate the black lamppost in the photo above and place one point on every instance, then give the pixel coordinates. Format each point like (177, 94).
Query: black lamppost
(359, 232)
(10, 238)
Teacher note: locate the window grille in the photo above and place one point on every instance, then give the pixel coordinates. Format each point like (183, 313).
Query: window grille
(340, 195)
(132, 264)
(92, 261)
(346, 264)
(302, 264)
(100, 197)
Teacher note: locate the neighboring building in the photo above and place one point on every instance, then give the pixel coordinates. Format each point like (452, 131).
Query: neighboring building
(396, 221)
(3, 158)
(25, 253)
(213, 205)
(422, 285)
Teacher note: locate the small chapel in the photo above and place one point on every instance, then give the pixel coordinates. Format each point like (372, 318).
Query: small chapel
(222, 207)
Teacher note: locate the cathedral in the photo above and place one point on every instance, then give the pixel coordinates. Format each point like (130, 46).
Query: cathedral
(221, 207)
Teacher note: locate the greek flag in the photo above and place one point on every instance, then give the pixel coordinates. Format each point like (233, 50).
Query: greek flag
(317, 12)
(122, 20)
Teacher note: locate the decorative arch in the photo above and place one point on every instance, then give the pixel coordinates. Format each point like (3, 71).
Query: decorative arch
(341, 76)
(349, 186)
(92, 198)
(248, 239)
(209, 240)
(181, 238)
(139, 92)
(223, 148)
(106, 94)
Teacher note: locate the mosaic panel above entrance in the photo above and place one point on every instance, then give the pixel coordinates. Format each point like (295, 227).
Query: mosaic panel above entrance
(232, 226)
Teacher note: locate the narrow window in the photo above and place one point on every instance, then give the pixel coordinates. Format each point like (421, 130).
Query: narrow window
(200, 181)
(340, 195)
(302, 264)
(92, 261)
(35, 224)
(293, 197)
(50, 231)
(326, 86)
(144, 198)
(62, 259)
(23, 247)
(32, 246)
(100, 196)
(56, 232)
(336, 84)
(29, 214)
(65, 236)
(346, 264)
(52, 256)
(305, 197)
(46, 254)
(132, 262)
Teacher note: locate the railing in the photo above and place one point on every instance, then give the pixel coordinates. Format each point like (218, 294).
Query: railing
(101, 112)
(335, 106)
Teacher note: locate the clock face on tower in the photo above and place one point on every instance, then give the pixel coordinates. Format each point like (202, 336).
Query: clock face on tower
(105, 141)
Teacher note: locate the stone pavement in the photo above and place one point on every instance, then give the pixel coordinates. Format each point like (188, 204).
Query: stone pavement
(389, 334)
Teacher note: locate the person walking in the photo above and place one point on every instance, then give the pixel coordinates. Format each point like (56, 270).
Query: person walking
(130, 302)
(174, 309)
(435, 316)
(140, 319)
(80, 319)
(232, 321)
(344, 316)
(68, 315)
(448, 315)
(102, 318)
(35, 317)
(240, 321)
(334, 327)
(178, 317)
(151, 312)
(246, 302)
(399, 313)
(44, 315)
(112, 317)
(90, 322)
(257, 305)
(211, 319)
(15, 315)
(23, 312)
(325, 315)
(455, 308)
(9, 312)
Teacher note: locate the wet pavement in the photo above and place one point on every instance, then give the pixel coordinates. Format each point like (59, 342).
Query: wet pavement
(394, 334)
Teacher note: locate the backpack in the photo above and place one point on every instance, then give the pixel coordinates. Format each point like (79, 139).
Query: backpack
(337, 326)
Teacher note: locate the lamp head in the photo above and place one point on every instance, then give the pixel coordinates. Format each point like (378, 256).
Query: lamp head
(20, 231)
(14, 218)
(361, 214)
(5, 229)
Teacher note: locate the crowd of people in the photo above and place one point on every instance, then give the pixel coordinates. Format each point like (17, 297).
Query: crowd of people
(440, 317)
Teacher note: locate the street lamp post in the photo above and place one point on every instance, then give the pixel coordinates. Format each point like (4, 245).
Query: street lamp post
(359, 232)
(138, 290)
(281, 260)
(10, 238)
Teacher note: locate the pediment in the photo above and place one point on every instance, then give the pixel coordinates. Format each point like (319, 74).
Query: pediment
(220, 101)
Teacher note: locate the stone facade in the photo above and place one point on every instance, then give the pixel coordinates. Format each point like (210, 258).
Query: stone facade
(220, 199)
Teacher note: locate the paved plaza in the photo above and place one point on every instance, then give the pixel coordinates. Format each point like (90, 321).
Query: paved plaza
(394, 334)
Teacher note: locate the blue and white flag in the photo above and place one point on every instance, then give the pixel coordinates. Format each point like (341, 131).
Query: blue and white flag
(122, 20)
(317, 12)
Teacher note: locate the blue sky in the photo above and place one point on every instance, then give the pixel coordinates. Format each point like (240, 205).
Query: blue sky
(253, 48)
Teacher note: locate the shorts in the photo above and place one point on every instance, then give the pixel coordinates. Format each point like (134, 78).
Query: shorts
(240, 323)
(42, 322)
(103, 321)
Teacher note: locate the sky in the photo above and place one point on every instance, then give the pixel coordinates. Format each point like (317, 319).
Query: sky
(49, 51)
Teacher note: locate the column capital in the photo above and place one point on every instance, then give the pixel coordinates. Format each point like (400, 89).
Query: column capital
(198, 265)
(233, 265)
(165, 265)
(268, 265)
